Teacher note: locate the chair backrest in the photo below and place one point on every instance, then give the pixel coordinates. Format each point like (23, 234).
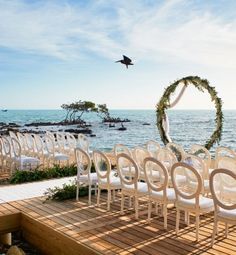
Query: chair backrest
(83, 162)
(184, 189)
(102, 165)
(227, 163)
(71, 141)
(39, 144)
(30, 144)
(50, 144)
(120, 148)
(223, 152)
(124, 160)
(13, 134)
(60, 137)
(139, 155)
(221, 182)
(176, 149)
(22, 141)
(6, 145)
(202, 152)
(83, 142)
(153, 147)
(16, 147)
(166, 157)
(153, 168)
(198, 164)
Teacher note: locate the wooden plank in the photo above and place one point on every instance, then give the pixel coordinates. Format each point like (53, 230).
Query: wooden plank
(10, 222)
(112, 233)
(50, 241)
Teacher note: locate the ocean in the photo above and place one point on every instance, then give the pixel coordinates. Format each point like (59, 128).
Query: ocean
(186, 126)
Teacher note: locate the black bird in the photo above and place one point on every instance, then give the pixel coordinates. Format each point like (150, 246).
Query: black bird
(126, 61)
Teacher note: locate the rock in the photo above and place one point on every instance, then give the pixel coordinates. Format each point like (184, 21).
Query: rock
(79, 131)
(146, 124)
(14, 250)
(12, 124)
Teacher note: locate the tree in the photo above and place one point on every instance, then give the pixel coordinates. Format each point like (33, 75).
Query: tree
(103, 111)
(75, 111)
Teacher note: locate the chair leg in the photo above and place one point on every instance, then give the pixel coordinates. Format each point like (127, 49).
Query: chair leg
(108, 200)
(197, 228)
(122, 203)
(130, 201)
(89, 194)
(77, 191)
(226, 229)
(114, 195)
(136, 207)
(149, 210)
(165, 215)
(98, 197)
(214, 231)
(177, 221)
(156, 208)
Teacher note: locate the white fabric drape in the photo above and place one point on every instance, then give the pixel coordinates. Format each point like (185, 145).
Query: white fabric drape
(165, 120)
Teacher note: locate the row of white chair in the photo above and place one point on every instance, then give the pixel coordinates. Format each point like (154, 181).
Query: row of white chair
(27, 151)
(187, 183)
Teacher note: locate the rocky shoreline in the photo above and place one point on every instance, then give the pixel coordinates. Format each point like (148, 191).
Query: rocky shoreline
(74, 127)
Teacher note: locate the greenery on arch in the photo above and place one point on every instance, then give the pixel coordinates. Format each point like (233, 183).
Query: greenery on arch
(201, 85)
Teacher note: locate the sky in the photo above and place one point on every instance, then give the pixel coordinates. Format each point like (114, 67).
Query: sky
(55, 52)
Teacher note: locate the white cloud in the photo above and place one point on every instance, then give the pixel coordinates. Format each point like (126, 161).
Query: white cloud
(172, 31)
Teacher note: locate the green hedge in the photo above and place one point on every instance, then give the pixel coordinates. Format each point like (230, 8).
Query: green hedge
(23, 176)
(68, 191)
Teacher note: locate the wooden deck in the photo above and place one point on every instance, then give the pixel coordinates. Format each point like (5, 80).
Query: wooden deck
(92, 230)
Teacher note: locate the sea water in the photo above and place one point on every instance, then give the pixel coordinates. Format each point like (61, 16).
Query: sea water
(186, 126)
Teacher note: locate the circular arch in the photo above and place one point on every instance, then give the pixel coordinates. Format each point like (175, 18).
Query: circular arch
(201, 85)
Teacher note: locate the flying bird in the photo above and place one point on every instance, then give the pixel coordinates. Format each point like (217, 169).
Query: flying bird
(126, 61)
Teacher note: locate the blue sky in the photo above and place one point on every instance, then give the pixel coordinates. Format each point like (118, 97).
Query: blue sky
(54, 52)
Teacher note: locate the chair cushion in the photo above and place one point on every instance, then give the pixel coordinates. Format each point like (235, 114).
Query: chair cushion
(228, 214)
(27, 160)
(141, 187)
(60, 156)
(204, 203)
(84, 178)
(114, 181)
(159, 195)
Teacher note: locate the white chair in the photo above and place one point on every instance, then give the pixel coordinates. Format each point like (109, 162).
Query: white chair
(166, 157)
(30, 144)
(106, 178)
(177, 150)
(40, 150)
(203, 153)
(83, 142)
(188, 197)
(225, 209)
(120, 148)
(84, 175)
(139, 155)
(153, 147)
(20, 161)
(201, 167)
(223, 152)
(158, 191)
(230, 164)
(22, 141)
(7, 153)
(131, 187)
(1, 155)
(13, 135)
(54, 156)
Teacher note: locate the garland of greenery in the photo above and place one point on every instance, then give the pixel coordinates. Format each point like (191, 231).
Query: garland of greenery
(200, 84)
